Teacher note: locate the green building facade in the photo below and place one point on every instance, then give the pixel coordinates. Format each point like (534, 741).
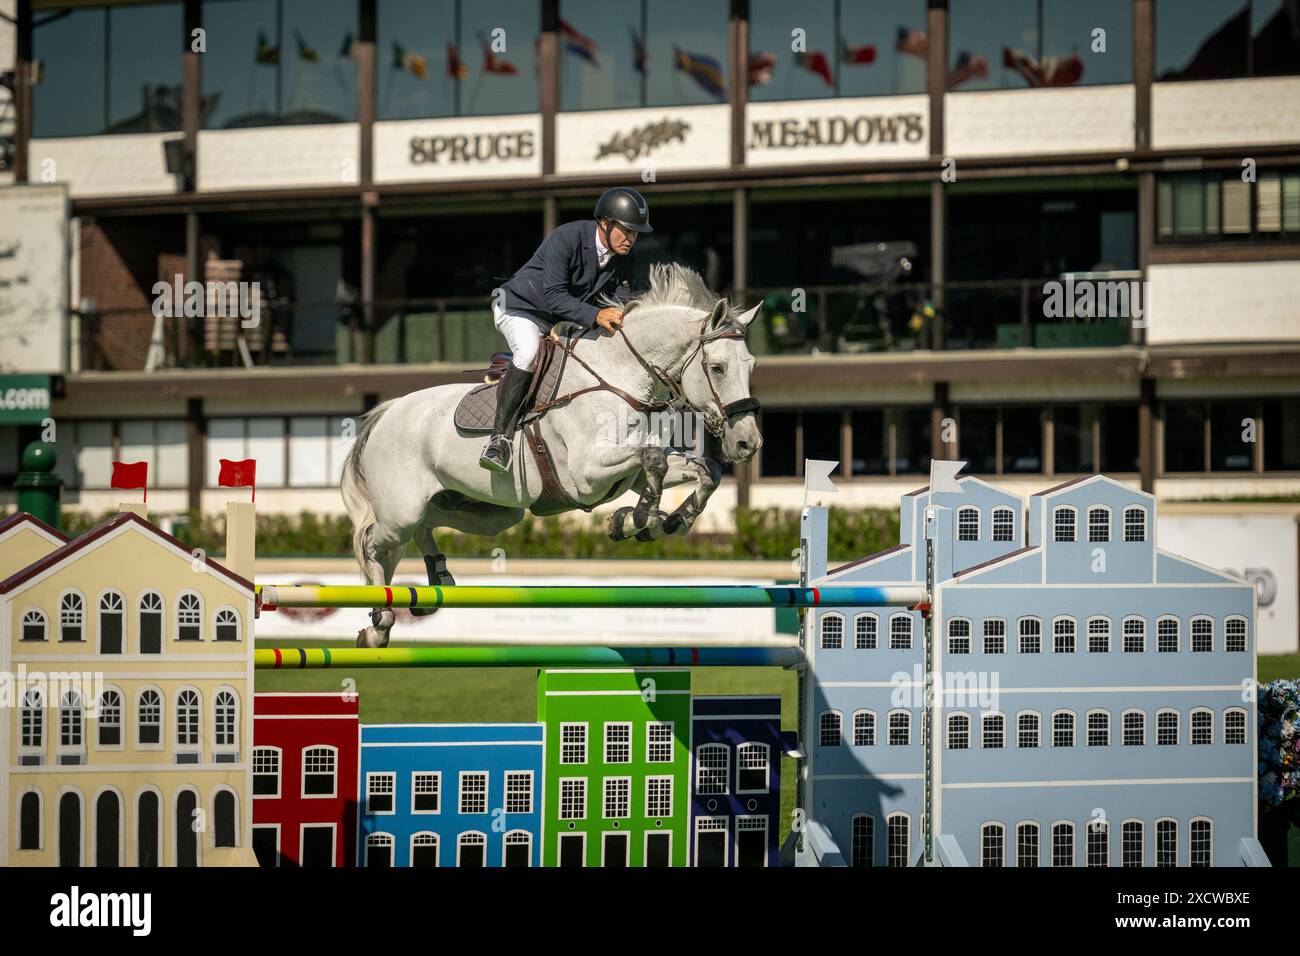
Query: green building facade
(617, 766)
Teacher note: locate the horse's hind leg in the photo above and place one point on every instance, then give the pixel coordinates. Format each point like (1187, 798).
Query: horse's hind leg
(435, 562)
(380, 563)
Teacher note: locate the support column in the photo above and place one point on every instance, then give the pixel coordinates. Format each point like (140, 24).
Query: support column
(1147, 435)
(548, 75)
(939, 410)
(196, 433)
(550, 215)
(1143, 72)
(937, 73)
(738, 37)
(22, 90)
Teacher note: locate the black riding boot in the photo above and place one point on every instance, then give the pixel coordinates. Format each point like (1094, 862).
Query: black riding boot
(510, 400)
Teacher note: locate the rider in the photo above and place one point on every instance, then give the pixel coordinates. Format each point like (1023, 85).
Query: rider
(570, 269)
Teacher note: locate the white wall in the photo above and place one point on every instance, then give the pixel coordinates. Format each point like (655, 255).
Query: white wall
(130, 164)
(279, 157)
(1084, 119)
(1225, 112)
(1223, 302)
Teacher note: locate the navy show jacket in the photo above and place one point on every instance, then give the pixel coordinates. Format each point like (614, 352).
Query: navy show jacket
(562, 280)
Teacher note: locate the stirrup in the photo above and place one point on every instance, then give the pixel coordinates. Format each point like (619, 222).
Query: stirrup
(500, 461)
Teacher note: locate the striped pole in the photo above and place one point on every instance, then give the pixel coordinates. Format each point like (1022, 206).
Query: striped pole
(272, 596)
(312, 658)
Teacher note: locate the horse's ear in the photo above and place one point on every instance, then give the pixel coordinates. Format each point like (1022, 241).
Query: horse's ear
(745, 318)
(718, 315)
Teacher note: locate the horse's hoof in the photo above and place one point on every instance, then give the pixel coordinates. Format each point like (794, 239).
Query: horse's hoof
(370, 637)
(655, 530)
(424, 611)
(615, 523)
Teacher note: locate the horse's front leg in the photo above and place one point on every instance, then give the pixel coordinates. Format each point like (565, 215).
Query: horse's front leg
(682, 468)
(644, 518)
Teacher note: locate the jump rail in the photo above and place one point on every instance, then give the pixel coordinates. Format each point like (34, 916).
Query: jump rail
(311, 658)
(273, 596)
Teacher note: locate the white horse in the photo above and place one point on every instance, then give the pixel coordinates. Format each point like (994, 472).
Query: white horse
(411, 469)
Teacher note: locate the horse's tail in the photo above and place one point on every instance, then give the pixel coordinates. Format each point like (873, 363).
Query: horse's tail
(356, 495)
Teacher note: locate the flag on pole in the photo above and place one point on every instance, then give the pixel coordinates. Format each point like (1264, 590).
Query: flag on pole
(857, 55)
(912, 41)
(413, 63)
(131, 475)
(817, 475)
(455, 68)
(970, 66)
(266, 53)
(704, 70)
(817, 63)
(493, 63)
(761, 66)
(345, 51)
(1053, 71)
(306, 53)
(577, 43)
(238, 474)
(639, 56)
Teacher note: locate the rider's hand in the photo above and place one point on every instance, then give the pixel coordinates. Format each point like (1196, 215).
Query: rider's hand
(611, 320)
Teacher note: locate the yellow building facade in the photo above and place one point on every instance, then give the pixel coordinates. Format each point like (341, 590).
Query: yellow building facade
(127, 738)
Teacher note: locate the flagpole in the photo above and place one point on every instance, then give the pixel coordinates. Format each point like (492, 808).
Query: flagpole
(279, 58)
(456, 33)
(839, 40)
(645, 51)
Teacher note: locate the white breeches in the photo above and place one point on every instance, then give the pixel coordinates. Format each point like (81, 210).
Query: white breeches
(522, 334)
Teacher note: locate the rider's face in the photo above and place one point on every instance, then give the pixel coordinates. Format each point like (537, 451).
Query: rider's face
(621, 240)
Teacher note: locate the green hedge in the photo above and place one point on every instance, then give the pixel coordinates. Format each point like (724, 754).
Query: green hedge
(766, 534)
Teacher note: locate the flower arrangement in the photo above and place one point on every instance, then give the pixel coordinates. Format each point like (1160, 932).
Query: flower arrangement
(1279, 742)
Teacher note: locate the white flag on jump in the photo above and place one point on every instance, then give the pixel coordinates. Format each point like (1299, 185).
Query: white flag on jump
(817, 475)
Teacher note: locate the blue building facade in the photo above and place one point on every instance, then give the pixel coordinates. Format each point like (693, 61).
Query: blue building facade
(1096, 703)
(737, 746)
(450, 795)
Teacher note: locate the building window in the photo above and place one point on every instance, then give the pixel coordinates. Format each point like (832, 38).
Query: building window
(379, 850)
(1027, 844)
(1202, 727)
(1064, 520)
(1063, 635)
(1134, 728)
(866, 629)
(1202, 842)
(266, 772)
(189, 617)
(1027, 730)
(1167, 640)
(995, 635)
(573, 743)
(424, 849)
(1004, 524)
(187, 719)
(900, 632)
(225, 723)
(1166, 843)
(659, 796)
(72, 614)
(829, 729)
(864, 729)
(1098, 524)
(33, 625)
(319, 771)
(752, 766)
(898, 837)
(1099, 635)
(33, 719)
(473, 792)
(618, 743)
(1166, 728)
(712, 769)
(71, 721)
(426, 792)
(958, 637)
(992, 844)
(112, 620)
(994, 731)
(1202, 635)
(1234, 635)
(968, 524)
(1135, 524)
(1131, 843)
(659, 742)
(1234, 727)
(618, 798)
(1063, 729)
(1214, 207)
(832, 631)
(110, 719)
(149, 720)
(958, 732)
(1098, 728)
(1097, 843)
(1135, 635)
(1031, 634)
(151, 622)
(227, 625)
(900, 728)
(863, 840)
(573, 798)
(1062, 844)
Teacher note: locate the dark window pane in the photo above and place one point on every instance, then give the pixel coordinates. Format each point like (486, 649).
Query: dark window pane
(1201, 39)
(1282, 434)
(977, 439)
(1185, 437)
(69, 100)
(912, 441)
(821, 435)
(1119, 438)
(1072, 438)
(870, 443)
(144, 68)
(1231, 424)
(1022, 440)
(778, 444)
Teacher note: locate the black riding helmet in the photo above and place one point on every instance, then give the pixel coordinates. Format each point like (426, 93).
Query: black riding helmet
(627, 207)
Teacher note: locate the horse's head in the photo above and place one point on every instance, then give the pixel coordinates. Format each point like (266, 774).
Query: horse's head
(715, 381)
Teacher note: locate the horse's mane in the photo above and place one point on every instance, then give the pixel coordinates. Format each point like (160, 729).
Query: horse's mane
(674, 285)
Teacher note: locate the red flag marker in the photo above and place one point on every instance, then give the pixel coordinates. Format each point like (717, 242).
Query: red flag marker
(131, 475)
(238, 474)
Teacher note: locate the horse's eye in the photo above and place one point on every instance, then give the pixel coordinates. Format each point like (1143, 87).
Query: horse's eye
(715, 369)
